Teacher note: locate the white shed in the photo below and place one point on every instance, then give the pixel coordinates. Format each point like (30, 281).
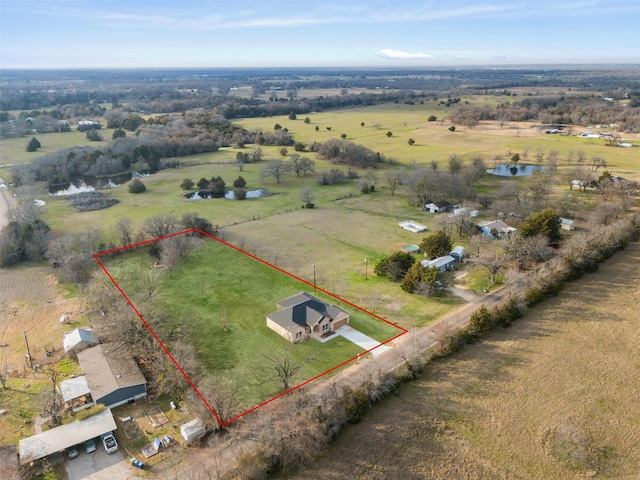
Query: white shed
(566, 224)
(193, 431)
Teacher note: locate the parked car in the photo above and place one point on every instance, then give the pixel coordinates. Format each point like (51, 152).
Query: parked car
(90, 445)
(109, 442)
(72, 452)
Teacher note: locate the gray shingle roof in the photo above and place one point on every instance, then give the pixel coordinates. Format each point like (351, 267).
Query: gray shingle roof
(109, 367)
(303, 309)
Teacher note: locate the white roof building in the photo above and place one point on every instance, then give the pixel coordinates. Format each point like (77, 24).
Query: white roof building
(57, 439)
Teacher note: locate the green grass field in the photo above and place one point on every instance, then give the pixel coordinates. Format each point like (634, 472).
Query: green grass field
(222, 296)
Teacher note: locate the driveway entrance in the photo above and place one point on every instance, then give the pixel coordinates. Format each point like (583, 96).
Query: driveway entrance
(362, 340)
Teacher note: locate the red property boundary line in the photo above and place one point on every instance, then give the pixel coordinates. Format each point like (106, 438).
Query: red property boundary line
(264, 262)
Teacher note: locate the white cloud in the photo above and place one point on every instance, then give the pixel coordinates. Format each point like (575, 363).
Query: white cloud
(398, 54)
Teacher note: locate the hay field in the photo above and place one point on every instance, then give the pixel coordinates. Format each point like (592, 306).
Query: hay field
(555, 396)
(435, 142)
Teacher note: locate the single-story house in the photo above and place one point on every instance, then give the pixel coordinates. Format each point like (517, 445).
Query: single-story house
(112, 374)
(57, 439)
(413, 226)
(79, 339)
(303, 315)
(441, 263)
(75, 393)
(437, 207)
(496, 229)
(458, 253)
(566, 224)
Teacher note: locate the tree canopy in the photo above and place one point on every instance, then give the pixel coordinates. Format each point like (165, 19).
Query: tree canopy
(436, 245)
(546, 222)
(394, 266)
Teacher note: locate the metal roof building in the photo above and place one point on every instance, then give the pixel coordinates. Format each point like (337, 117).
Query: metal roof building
(57, 439)
(78, 339)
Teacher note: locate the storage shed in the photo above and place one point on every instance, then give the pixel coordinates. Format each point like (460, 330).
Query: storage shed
(78, 340)
(193, 431)
(458, 253)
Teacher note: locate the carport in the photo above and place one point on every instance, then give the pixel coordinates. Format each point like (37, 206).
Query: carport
(57, 439)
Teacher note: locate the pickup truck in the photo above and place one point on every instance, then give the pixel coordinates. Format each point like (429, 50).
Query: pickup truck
(109, 442)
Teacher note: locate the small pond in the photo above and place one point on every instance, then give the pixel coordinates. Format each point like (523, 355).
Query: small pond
(87, 183)
(229, 195)
(515, 170)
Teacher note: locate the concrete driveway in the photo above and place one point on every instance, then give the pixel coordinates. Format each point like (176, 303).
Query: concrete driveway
(99, 465)
(362, 340)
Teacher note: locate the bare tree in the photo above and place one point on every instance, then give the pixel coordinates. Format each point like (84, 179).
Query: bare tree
(603, 212)
(4, 373)
(161, 225)
(526, 251)
(302, 165)
(277, 169)
(306, 196)
(394, 179)
(125, 231)
(175, 249)
(54, 404)
(491, 254)
(284, 367)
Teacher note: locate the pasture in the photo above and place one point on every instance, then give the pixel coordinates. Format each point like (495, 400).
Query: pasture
(221, 297)
(554, 396)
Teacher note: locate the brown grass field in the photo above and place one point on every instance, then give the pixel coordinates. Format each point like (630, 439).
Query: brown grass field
(553, 397)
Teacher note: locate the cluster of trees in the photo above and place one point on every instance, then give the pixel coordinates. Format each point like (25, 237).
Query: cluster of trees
(278, 168)
(427, 184)
(349, 153)
(403, 267)
(26, 236)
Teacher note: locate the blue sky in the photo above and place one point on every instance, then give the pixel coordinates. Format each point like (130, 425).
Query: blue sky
(299, 33)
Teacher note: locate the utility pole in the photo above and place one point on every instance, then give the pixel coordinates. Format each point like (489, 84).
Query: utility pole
(24, 335)
(314, 278)
(366, 267)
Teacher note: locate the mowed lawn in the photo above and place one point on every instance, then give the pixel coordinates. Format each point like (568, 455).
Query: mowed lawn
(222, 297)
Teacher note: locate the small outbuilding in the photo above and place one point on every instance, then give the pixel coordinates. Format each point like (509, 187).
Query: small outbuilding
(458, 253)
(76, 394)
(193, 431)
(566, 224)
(437, 207)
(79, 339)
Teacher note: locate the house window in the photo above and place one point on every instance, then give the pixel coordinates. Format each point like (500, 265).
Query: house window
(298, 334)
(325, 327)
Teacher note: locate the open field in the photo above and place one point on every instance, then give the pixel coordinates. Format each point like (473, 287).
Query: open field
(433, 139)
(31, 301)
(554, 396)
(221, 297)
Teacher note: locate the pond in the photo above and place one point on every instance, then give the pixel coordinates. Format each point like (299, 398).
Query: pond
(86, 183)
(515, 170)
(230, 195)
